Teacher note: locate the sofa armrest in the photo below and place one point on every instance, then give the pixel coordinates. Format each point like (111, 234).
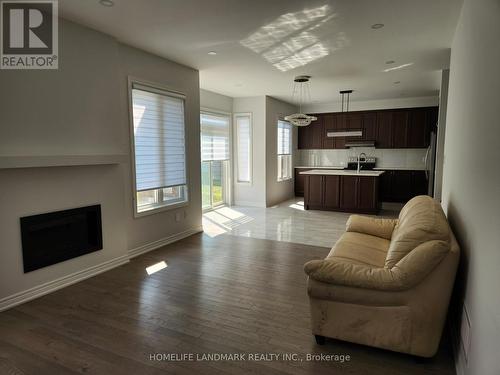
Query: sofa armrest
(374, 226)
(349, 274)
(407, 273)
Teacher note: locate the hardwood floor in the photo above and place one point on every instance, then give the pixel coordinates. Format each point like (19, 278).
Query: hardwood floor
(225, 294)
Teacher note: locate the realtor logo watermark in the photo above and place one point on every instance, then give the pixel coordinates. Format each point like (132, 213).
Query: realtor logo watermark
(29, 37)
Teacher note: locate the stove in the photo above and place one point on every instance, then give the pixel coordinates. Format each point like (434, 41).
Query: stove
(365, 163)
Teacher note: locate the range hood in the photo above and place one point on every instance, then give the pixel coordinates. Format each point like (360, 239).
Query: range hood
(350, 144)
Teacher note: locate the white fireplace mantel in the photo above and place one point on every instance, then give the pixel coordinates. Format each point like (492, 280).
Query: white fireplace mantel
(43, 161)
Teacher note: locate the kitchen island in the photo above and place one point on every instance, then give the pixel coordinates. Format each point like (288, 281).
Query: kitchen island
(341, 190)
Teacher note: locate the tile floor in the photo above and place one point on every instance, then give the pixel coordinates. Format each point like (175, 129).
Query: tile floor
(287, 222)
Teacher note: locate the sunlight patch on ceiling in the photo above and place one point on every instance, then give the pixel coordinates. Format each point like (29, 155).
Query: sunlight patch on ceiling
(397, 67)
(296, 39)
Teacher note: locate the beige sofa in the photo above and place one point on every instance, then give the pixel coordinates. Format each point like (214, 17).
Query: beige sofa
(387, 282)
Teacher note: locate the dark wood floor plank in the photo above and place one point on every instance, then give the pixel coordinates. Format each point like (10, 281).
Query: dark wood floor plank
(218, 295)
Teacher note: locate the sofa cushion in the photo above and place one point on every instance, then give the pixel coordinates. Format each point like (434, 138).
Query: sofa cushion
(361, 249)
(420, 220)
(374, 226)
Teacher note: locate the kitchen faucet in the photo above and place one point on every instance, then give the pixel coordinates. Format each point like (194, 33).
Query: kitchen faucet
(359, 157)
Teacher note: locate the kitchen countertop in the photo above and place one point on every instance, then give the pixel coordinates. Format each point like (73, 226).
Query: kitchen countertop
(343, 172)
(398, 169)
(315, 167)
(375, 169)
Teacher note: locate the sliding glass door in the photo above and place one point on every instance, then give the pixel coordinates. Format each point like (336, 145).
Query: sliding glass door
(215, 164)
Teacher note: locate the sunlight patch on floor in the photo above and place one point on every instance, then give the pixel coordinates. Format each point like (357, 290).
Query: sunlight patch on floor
(156, 267)
(222, 220)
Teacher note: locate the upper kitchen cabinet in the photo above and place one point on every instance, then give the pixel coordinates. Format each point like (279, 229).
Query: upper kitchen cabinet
(400, 128)
(384, 130)
(369, 126)
(421, 123)
(311, 136)
(390, 128)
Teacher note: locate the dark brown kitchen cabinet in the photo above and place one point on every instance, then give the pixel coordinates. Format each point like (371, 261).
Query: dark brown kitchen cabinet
(311, 136)
(349, 192)
(369, 126)
(329, 125)
(401, 185)
(384, 130)
(331, 193)
(299, 181)
(399, 129)
(313, 190)
(389, 128)
(341, 193)
(359, 194)
(418, 128)
(367, 194)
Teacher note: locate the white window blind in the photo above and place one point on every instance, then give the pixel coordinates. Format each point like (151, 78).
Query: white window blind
(214, 137)
(159, 143)
(284, 148)
(284, 138)
(244, 146)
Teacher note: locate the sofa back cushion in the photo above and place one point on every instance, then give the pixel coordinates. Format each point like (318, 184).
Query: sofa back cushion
(421, 219)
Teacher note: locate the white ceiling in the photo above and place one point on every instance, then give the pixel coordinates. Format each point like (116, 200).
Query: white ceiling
(261, 45)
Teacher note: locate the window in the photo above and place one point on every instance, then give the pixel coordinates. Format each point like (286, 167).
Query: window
(214, 159)
(284, 150)
(244, 147)
(159, 148)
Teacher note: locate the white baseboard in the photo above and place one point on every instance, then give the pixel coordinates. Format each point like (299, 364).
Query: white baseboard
(250, 204)
(162, 242)
(51, 286)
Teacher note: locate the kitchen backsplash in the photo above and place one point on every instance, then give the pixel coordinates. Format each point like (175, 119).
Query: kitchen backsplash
(411, 158)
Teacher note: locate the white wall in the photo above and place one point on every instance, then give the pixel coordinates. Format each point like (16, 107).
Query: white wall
(136, 63)
(472, 178)
(214, 101)
(277, 192)
(354, 105)
(253, 194)
(82, 108)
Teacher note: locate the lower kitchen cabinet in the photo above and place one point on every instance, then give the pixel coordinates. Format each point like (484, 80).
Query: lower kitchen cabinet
(359, 194)
(341, 193)
(331, 192)
(299, 181)
(400, 186)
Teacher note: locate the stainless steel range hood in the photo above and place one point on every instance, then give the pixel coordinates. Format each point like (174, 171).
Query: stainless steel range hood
(350, 144)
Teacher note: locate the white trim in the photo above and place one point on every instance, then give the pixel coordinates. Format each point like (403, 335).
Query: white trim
(51, 286)
(62, 282)
(250, 204)
(229, 193)
(236, 175)
(131, 81)
(162, 242)
(214, 111)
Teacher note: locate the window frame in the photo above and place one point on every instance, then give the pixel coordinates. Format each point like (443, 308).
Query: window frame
(278, 154)
(161, 90)
(236, 148)
(228, 198)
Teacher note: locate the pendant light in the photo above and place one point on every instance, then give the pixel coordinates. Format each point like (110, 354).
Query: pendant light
(302, 91)
(342, 94)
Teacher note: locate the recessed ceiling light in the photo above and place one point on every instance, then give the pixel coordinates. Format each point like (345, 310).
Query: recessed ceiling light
(390, 62)
(212, 53)
(107, 3)
(397, 82)
(377, 26)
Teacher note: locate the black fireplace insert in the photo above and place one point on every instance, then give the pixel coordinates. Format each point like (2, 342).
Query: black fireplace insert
(58, 236)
